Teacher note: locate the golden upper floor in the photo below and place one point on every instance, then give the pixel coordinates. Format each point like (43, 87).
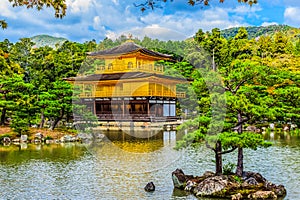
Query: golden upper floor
(128, 57)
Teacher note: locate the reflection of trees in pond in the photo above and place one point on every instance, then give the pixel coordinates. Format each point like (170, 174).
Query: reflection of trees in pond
(282, 138)
(14, 154)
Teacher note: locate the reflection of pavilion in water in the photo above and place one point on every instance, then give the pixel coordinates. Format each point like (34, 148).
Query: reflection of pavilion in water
(138, 152)
(142, 141)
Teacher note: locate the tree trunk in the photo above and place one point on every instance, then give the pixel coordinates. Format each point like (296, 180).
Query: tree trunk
(218, 156)
(54, 124)
(57, 119)
(3, 114)
(42, 120)
(240, 162)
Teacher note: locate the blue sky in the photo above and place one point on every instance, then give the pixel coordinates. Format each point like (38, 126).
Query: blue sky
(97, 19)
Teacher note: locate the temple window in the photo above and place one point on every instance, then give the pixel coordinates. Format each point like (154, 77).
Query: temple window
(150, 67)
(110, 66)
(120, 86)
(130, 65)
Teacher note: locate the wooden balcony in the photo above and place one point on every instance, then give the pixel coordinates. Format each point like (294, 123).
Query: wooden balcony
(102, 94)
(135, 117)
(119, 68)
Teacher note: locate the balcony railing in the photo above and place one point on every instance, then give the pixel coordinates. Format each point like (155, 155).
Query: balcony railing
(136, 117)
(180, 94)
(132, 94)
(124, 68)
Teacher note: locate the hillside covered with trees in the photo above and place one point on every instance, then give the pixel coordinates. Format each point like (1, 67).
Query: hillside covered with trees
(257, 31)
(46, 40)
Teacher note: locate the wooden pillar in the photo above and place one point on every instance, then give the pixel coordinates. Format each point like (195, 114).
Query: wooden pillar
(94, 91)
(94, 107)
(123, 110)
(148, 108)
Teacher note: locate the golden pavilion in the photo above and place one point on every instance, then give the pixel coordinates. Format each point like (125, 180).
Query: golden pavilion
(129, 85)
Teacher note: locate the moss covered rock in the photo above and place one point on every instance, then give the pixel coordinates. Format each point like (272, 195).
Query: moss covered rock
(250, 186)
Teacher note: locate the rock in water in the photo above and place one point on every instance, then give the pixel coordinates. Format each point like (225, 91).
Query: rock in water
(249, 176)
(211, 186)
(250, 186)
(38, 136)
(249, 181)
(24, 138)
(6, 140)
(278, 189)
(180, 179)
(150, 187)
(263, 195)
(237, 196)
(190, 185)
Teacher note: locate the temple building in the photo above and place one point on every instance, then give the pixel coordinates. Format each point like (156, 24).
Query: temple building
(128, 84)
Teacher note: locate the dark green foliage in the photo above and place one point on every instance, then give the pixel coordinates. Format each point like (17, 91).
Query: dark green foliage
(257, 31)
(31, 87)
(228, 168)
(244, 140)
(297, 48)
(19, 102)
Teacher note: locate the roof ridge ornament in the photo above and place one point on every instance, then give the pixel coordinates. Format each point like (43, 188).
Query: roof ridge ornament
(129, 38)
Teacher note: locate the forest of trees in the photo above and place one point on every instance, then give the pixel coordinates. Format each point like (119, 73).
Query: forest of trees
(31, 85)
(259, 82)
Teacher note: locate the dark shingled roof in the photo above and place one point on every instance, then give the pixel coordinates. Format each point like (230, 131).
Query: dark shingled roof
(127, 48)
(122, 76)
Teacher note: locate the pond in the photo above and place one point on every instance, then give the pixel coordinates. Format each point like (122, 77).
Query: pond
(121, 165)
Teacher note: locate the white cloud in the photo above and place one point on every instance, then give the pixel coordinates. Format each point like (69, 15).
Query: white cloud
(97, 23)
(189, 23)
(111, 35)
(95, 19)
(116, 2)
(244, 9)
(78, 6)
(269, 23)
(177, 26)
(6, 10)
(155, 31)
(292, 16)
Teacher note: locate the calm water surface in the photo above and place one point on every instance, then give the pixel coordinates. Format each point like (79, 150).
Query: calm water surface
(120, 167)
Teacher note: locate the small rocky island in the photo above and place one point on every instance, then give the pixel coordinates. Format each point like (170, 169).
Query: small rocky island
(250, 186)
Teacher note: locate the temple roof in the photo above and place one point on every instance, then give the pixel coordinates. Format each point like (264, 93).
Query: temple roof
(122, 76)
(128, 48)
